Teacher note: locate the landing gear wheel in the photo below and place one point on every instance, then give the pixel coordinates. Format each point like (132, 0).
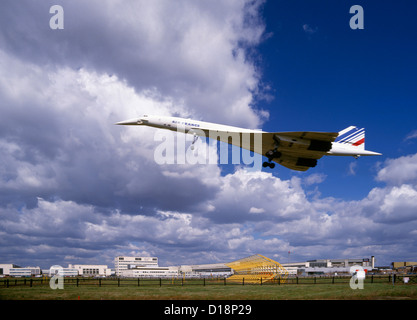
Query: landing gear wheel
(268, 164)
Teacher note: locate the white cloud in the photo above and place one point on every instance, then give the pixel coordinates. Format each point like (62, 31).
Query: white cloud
(315, 178)
(62, 92)
(309, 29)
(411, 135)
(353, 168)
(191, 52)
(256, 210)
(395, 204)
(242, 220)
(399, 171)
(244, 193)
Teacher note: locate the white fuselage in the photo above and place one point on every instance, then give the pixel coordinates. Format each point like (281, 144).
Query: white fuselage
(194, 126)
(176, 123)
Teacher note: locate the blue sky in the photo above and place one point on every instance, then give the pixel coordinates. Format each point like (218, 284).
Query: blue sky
(329, 76)
(75, 188)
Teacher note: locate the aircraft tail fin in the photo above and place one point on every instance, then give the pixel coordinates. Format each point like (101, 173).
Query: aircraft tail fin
(352, 136)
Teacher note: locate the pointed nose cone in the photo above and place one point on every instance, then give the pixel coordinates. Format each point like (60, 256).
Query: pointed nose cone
(130, 122)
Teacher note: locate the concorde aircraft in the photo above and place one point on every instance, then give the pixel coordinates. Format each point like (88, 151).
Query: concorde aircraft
(295, 150)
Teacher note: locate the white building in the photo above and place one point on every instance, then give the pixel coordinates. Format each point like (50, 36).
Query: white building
(25, 272)
(64, 272)
(123, 263)
(219, 270)
(329, 266)
(151, 272)
(91, 270)
(5, 268)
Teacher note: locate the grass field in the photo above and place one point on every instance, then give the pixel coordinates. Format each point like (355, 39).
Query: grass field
(342, 291)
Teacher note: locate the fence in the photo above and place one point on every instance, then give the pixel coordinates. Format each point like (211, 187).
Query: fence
(122, 282)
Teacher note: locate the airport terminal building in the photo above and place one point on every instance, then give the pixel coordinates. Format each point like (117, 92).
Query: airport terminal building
(329, 266)
(212, 270)
(143, 267)
(124, 266)
(148, 267)
(83, 270)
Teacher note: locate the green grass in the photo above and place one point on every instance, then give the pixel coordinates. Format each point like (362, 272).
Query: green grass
(375, 291)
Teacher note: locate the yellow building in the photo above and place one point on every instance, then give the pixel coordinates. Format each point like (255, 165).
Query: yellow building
(257, 269)
(396, 265)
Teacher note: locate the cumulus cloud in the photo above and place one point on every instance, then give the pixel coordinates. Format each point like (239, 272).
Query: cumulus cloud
(63, 90)
(184, 50)
(223, 228)
(60, 141)
(315, 178)
(256, 196)
(399, 171)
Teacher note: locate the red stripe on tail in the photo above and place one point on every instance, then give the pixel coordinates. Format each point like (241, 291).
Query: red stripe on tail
(358, 143)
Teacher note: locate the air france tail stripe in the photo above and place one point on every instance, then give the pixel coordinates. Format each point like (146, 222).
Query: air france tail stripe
(353, 141)
(341, 133)
(345, 133)
(359, 142)
(349, 134)
(353, 136)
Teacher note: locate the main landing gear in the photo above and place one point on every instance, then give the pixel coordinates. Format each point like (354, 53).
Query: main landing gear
(271, 154)
(268, 164)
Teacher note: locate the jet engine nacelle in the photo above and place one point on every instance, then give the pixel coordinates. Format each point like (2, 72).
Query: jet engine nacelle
(284, 159)
(306, 162)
